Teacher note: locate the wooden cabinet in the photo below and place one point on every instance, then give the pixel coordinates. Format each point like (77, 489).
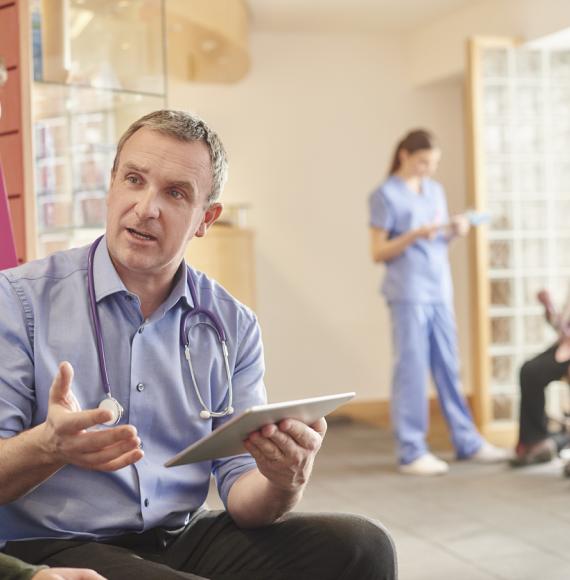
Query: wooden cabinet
(227, 255)
(11, 126)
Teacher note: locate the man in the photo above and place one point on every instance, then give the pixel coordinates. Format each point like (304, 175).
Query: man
(536, 444)
(88, 495)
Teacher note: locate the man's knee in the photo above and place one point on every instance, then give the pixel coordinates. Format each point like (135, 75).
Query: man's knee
(365, 546)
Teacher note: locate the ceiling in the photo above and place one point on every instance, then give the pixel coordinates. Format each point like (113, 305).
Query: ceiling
(325, 16)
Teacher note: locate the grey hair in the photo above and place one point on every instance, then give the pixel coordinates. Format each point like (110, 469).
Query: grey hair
(184, 127)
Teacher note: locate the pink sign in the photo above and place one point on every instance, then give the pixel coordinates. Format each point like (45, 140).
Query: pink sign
(8, 257)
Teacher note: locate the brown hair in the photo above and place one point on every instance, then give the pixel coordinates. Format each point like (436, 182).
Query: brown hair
(415, 140)
(185, 127)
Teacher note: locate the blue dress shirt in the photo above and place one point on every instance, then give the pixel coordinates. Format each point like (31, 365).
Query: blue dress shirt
(421, 273)
(46, 319)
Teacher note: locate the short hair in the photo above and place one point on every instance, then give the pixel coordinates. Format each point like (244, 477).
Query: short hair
(185, 127)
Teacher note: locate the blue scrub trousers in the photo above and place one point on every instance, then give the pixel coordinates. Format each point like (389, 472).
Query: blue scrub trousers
(425, 338)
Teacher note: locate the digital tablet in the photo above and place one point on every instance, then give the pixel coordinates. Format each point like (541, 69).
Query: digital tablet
(228, 439)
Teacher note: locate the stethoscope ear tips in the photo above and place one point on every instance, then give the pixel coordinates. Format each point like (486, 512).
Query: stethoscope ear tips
(205, 414)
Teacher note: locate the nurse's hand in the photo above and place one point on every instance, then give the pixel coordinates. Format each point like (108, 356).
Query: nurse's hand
(427, 232)
(460, 225)
(285, 453)
(67, 574)
(67, 439)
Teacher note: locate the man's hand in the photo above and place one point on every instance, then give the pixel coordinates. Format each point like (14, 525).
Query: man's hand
(67, 439)
(67, 574)
(285, 453)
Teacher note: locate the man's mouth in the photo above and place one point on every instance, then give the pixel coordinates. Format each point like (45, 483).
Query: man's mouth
(141, 235)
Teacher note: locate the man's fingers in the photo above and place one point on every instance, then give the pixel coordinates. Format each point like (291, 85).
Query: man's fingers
(122, 461)
(109, 454)
(320, 427)
(67, 574)
(265, 448)
(69, 423)
(94, 441)
(61, 385)
(305, 436)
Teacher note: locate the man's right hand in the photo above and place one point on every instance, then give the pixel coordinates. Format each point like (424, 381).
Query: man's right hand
(68, 440)
(67, 574)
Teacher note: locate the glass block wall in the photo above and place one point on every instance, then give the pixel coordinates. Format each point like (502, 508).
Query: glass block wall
(526, 162)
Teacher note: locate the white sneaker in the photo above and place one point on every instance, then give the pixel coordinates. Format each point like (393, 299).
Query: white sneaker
(490, 454)
(426, 464)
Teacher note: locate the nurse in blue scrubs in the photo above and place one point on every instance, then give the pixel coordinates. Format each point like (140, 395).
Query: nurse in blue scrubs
(410, 233)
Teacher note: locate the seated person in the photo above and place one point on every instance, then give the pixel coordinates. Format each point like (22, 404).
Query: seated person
(83, 482)
(536, 444)
(13, 569)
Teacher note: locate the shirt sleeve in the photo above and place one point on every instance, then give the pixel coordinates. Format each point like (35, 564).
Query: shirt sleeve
(381, 214)
(17, 393)
(248, 390)
(14, 569)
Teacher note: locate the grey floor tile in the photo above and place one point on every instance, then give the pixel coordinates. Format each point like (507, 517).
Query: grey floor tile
(480, 522)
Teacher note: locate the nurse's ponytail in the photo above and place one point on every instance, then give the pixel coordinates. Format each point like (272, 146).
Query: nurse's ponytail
(414, 141)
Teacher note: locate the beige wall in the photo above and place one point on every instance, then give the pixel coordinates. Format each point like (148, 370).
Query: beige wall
(309, 133)
(437, 51)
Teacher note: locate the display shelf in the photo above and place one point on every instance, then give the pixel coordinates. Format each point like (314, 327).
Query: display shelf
(84, 96)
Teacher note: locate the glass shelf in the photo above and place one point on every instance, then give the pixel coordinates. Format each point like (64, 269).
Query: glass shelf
(107, 44)
(98, 66)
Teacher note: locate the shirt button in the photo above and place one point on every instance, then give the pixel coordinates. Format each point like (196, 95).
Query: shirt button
(141, 329)
(140, 387)
(146, 502)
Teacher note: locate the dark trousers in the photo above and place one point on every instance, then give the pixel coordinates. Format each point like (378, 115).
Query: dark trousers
(300, 547)
(535, 375)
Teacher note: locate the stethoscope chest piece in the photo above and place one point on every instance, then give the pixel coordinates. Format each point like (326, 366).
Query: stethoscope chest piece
(111, 404)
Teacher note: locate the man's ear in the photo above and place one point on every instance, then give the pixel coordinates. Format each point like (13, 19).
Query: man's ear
(210, 216)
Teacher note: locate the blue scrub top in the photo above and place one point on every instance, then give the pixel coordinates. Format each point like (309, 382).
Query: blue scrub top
(46, 319)
(421, 273)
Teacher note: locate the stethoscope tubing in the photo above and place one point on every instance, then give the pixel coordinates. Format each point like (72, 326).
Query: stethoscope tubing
(213, 321)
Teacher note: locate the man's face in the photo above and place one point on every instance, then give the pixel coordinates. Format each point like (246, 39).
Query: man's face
(156, 203)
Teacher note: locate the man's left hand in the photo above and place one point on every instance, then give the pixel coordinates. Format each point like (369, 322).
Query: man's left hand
(285, 452)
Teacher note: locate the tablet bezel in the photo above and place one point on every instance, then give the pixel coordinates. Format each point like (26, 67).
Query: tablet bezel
(227, 440)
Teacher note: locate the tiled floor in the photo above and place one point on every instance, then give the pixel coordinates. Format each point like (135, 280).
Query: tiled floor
(476, 523)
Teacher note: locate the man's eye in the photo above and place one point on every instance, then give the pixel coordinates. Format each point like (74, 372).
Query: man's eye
(132, 179)
(176, 194)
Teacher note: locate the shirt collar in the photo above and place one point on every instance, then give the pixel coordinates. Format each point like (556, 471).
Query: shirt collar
(105, 277)
(107, 280)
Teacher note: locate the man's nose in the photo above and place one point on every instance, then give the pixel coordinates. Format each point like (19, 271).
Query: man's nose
(147, 206)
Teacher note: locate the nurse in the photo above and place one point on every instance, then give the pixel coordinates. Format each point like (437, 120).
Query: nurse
(410, 233)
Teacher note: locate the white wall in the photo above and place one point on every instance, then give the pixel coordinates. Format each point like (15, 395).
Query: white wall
(309, 134)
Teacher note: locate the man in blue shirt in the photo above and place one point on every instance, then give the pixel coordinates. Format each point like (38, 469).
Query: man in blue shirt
(78, 493)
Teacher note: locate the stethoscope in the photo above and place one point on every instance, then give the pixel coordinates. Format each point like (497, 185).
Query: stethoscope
(109, 402)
